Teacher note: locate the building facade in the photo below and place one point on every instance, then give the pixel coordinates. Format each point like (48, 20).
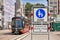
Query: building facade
(58, 6)
(7, 11)
(1, 14)
(17, 7)
(53, 7)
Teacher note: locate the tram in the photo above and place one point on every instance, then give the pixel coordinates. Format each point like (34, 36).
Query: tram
(18, 25)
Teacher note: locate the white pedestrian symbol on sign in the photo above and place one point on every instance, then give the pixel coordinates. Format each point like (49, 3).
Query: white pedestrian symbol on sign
(40, 14)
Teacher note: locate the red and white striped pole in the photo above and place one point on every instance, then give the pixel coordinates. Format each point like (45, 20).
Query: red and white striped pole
(31, 15)
(49, 27)
(49, 22)
(31, 26)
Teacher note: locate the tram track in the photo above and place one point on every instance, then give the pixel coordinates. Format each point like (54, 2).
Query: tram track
(20, 36)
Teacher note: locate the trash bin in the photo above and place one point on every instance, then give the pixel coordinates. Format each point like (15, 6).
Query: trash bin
(56, 26)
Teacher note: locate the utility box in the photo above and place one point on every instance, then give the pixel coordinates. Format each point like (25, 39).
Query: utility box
(56, 26)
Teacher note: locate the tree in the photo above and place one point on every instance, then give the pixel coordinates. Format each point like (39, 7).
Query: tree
(28, 8)
(38, 4)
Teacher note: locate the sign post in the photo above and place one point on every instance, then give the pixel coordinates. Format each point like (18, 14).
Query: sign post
(40, 21)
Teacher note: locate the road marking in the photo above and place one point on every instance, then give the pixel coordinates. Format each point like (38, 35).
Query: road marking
(20, 36)
(23, 37)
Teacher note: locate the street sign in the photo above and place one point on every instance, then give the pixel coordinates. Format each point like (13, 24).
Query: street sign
(40, 28)
(40, 22)
(40, 19)
(40, 14)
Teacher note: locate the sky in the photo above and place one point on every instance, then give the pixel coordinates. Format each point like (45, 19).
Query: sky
(35, 1)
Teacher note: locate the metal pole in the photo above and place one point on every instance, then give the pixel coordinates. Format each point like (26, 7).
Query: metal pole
(15, 14)
(49, 30)
(49, 19)
(15, 9)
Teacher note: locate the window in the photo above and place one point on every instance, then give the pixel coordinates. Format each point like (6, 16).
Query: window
(59, 2)
(1, 7)
(13, 23)
(51, 10)
(55, 2)
(0, 19)
(3, 13)
(51, 2)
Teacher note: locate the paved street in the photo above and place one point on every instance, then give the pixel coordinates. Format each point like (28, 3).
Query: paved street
(53, 36)
(7, 35)
(20, 16)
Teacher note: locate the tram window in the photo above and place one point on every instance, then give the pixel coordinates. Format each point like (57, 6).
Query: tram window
(18, 22)
(13, 23)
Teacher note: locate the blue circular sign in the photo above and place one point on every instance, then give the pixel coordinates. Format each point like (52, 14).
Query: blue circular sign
(40, 13)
